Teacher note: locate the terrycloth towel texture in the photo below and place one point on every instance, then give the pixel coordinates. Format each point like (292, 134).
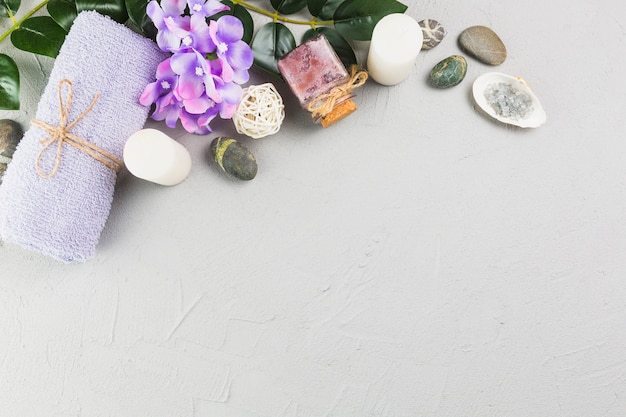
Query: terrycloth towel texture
(63, 216)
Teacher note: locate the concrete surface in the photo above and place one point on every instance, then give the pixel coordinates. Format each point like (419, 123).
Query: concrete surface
(415, 260)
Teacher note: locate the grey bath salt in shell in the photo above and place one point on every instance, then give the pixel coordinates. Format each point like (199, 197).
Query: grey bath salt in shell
(508, 99)
(508, 102)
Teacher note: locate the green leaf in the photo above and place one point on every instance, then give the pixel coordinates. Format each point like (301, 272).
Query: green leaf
(242, 14)
(355, 19)
(137, 10)
(63, 12)
(12, 5)
(137, 13)
(323, 9)
(116, 9)
(288, 6)
(271, 42)
(9, 84)
(40, 35)
(338, 42)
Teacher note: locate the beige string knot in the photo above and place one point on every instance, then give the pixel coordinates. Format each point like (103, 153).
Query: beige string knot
(61, 134)
(325, 103)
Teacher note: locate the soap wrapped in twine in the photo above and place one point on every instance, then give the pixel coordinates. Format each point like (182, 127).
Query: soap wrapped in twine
(61, 134)
(325, 103)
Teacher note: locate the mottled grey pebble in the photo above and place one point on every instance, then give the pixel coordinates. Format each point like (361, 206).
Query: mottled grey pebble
(234, 158)
(10, 135)
(433, 33)
(483, 44)
(449, 72)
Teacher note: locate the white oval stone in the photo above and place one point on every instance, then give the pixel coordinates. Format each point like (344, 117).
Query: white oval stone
(153, 156)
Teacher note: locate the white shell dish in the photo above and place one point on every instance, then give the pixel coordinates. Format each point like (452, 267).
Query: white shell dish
(508, 99)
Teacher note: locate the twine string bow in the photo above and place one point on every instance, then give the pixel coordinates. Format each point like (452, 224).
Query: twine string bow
(61, 134)
(324, 104)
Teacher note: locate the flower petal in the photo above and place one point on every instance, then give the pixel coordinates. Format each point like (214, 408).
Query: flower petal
(184, 62)
(169, 114)
(210, 80)
(196, 6)
(164, 70)
(179, 26)
(155, 13)
(208, 116)
(164, 102)
(189, 122)
(241, 76)
(167, 41)
(231, 93)
(240, 55)
(171, 117)
(149, 95)
(229, 29)
(201, 35)
(227, 111)
(206, 8)
(227, 71)
(173, 7)
(212, 7)
(198, 105)
(190, 86)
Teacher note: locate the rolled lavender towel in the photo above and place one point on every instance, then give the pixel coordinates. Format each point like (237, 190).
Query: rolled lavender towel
(63, 216)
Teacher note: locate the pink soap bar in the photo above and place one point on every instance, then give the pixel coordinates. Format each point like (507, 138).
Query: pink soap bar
(312, 69)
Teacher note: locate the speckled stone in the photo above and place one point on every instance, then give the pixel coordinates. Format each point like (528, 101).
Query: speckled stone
(10, 135)
(433, 33)
(234, 158)
(449, 72)
(483, 44)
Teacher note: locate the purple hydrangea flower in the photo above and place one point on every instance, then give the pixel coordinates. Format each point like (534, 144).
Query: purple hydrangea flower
(169, 113)
(202, 77)
(196, 76)
(226, 33)
(189, 32)
(158, 13)
(162, 91)
(231, 94)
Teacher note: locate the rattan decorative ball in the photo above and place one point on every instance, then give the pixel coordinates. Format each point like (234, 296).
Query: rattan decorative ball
(260, 112)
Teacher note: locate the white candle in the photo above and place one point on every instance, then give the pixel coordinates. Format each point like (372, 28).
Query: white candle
(396, 41)
(151, 155)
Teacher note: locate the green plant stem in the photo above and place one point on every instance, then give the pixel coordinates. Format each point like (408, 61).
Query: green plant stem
(278, 17)
(17, 24)
(9, 12)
